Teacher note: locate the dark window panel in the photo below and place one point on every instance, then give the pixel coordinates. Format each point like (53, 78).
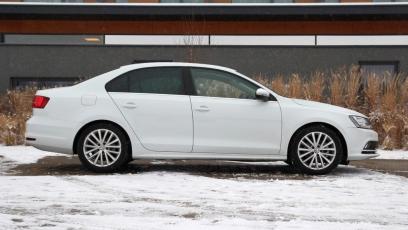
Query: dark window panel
(42, 82)
(157, 80)
(36, 39)
(379, 68)
(119, 84)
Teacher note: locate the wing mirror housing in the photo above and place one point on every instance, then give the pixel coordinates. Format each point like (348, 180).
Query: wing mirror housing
(262, 94)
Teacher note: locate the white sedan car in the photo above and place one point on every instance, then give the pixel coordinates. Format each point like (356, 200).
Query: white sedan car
(193, 111)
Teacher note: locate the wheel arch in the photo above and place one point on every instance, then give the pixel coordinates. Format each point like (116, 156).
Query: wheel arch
(77, 135)
(327, 125)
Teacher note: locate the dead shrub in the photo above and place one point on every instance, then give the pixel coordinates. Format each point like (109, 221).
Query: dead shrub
(263, 79)
(372, 92)
(279, 86)
(336, 89)
(383, 98)
(15, 110)
(295, 88)
(352, 88)
(315, 87)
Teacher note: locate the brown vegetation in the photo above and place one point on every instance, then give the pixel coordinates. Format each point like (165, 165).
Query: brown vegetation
(15, 109)
(384, 99)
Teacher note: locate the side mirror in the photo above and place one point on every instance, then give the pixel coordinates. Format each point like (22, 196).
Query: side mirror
(262, 94)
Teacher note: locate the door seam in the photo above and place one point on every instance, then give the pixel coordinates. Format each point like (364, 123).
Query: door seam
(192, 120)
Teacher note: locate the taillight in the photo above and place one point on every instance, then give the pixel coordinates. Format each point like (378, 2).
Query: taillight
(39, 102)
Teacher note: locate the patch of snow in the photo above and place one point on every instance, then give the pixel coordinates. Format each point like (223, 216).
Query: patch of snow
(24, 154)
(392, 154)
(349, 198)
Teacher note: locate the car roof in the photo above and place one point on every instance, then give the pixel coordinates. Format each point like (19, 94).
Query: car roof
(175, 64)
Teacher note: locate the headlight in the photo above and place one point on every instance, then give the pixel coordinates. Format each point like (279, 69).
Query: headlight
(360, 122)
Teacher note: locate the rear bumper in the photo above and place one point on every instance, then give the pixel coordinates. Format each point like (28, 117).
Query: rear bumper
(361, 143)
(49, 135)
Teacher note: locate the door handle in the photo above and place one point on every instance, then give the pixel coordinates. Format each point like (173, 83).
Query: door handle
(203, 108)
(129, 105)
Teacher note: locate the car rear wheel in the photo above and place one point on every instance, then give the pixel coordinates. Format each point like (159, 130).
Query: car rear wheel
(103, 148)
(316, 150)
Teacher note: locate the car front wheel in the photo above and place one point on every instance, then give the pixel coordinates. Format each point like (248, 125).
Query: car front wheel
(316, 150)
(103, 148)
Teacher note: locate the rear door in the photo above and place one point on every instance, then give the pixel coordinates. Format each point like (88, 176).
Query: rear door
(154, 102)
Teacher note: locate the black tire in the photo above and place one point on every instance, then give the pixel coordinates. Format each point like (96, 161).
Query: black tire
(122, 158)
(303, 167)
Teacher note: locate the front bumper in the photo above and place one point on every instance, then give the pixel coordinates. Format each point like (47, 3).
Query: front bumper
(361, 143)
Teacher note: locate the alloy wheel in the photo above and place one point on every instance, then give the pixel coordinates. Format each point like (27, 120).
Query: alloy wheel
(102, 147)
(316, 150)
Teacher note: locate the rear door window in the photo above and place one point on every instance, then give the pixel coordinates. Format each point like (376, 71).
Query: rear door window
(157, 80)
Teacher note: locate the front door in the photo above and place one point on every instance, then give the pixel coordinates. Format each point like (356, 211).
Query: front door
(228, 119)
(154, 102)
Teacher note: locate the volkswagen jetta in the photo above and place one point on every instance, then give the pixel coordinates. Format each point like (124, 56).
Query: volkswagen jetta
(193, 111)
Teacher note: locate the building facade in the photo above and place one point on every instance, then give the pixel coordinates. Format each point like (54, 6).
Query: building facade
(57, 44)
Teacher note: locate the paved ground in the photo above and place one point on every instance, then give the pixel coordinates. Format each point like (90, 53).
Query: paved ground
(61, 165)
(397, 167)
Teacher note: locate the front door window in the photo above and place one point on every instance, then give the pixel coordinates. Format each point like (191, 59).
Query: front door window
(215, 83)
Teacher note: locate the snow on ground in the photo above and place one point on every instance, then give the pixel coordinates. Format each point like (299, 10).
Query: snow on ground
(393, 155)
(347, 198)
(24, 154)
(352, 198)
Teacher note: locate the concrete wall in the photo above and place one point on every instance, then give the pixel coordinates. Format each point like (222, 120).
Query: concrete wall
(86, 61)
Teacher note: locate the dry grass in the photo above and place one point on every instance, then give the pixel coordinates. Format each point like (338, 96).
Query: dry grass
(15, 109)
(383, 98)
(279, 86)
(353, 85)
(372, 92)
(336, 89)
(315, 87)
(403, 102)
(294, 87)
(277, 83)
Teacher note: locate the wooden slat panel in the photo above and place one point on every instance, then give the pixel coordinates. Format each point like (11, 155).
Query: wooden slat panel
(209, 27)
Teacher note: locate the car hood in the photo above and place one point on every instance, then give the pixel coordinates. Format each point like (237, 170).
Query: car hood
(326, 107)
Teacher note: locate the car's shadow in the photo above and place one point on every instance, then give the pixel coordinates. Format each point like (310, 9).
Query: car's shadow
(61, 165)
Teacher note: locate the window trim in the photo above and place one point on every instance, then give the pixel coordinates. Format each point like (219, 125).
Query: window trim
(183, 79)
